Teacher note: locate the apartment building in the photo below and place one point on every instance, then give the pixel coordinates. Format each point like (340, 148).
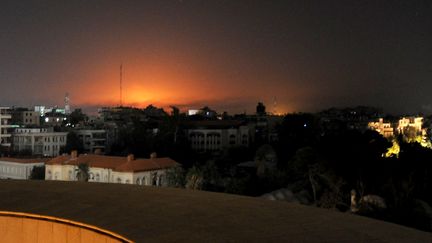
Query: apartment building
(39, 141)
(5, 126)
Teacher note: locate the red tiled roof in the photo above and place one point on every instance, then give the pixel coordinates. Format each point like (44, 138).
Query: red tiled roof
(146, 165)
(115, 163)
(23, 161)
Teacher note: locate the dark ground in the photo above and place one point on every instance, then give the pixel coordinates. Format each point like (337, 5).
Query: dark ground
(149, 214)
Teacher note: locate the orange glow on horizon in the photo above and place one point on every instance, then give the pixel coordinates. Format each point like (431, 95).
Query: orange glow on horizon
(162, 80)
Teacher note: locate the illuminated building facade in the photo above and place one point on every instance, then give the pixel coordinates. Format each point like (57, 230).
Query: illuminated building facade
(383, 128)
(54, 119)
(411, 128)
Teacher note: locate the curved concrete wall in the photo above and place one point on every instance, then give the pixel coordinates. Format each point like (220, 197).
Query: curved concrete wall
(26, 228)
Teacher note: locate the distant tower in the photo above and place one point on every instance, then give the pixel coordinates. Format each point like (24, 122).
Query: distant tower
(121, 88)
(67, 106)
(274, 105)
(260, 109)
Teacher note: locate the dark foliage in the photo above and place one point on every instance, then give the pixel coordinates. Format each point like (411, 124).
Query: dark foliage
(38, 173)
(73, 142)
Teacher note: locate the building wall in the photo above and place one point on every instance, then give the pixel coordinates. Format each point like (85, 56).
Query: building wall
(19, 171)
(30, 118)
(39, 141)
(217, 139)
(93, 140)
(105, 175)
(99, 174)
(122, 177)
(25, 117)
(150, 178)
(5, 136)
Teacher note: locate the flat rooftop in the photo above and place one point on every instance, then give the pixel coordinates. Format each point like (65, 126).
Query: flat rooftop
(150, 214)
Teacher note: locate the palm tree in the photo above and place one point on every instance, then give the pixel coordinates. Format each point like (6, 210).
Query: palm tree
(83, 172)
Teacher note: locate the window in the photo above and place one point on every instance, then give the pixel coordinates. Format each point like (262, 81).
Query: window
(154, 179)
(232, 139)
(161, 180)
(245, 139)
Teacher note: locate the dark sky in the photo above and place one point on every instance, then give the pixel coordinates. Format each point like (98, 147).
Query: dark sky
(306, 55)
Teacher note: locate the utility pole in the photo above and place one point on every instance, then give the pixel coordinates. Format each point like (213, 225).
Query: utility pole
(121, 88)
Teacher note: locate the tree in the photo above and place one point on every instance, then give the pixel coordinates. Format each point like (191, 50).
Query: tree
(266, 159)
(175, 111)
(73, 142)
(297, 131)
(38, 173)
(77, 117)
(194, 178)
(83, 172)
(175, 176)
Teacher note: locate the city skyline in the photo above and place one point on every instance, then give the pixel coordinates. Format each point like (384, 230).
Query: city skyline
(227, 55)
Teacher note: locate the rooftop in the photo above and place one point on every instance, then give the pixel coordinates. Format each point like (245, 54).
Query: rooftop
(23, 161)
(150, 214)
(115, 163)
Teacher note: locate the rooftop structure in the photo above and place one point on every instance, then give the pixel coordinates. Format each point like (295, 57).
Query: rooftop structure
(150, 214)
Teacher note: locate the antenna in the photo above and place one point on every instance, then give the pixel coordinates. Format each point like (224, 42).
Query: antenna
(274, 105)
(121, 77)
(67, 106)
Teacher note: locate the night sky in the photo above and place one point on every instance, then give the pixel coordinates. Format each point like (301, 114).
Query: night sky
(306, 55)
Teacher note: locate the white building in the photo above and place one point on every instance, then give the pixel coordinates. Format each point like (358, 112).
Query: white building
(5, 136)
(110, 169)
(40, 141)
(92, 140)
(11, 168)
